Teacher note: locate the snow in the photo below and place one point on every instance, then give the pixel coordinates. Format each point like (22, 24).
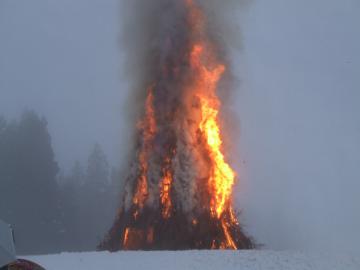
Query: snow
(244, 260)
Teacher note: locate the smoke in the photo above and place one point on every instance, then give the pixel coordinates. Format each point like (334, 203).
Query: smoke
(177, 63)
(154, 35)
(152, 31)
(145, 27)
(299, 130)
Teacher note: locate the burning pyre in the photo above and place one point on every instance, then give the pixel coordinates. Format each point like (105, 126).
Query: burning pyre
(178, 194)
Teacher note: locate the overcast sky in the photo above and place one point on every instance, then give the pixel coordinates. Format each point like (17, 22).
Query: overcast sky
(62, 59)
(298, 105)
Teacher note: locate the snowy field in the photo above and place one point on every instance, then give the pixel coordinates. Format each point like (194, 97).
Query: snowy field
(202, 260)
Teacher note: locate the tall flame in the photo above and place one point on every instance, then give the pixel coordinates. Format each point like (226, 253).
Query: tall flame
(222, 176)
(180, 192)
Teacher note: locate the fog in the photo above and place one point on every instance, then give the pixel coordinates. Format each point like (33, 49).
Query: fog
(297, 105)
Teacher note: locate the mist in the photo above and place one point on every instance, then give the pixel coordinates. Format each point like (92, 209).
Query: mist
(296, 103)
(299, 123)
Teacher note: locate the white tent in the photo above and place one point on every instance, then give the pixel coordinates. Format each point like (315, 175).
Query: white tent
(7, 248)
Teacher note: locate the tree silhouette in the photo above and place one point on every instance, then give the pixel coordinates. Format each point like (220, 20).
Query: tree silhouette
(28, 182)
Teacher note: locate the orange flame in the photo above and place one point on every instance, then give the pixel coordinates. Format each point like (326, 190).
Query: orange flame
(206, 71)
(165, 194)
(126, 237)
(229, 241)
(222, 177)
(148, 126)
(208, 75)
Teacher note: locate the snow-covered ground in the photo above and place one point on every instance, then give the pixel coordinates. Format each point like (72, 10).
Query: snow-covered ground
(202, 260)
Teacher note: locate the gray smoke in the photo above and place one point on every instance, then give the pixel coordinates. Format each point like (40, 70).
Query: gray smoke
(145, 28)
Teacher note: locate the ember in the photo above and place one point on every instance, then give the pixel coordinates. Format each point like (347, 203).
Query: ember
(179, 192)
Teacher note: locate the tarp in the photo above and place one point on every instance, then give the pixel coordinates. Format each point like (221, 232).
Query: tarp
(7, 248)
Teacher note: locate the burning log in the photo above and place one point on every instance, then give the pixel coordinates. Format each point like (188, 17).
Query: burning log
(179, 192)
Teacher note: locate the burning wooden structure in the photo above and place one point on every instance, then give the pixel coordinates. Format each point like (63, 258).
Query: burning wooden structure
(178, 194)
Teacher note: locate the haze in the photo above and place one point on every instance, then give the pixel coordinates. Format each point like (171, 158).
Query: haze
(297, 105)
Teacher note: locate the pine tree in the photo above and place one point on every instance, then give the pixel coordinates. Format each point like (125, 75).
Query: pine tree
(28, 182)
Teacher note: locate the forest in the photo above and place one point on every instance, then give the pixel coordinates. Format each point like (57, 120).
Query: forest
(50, 209)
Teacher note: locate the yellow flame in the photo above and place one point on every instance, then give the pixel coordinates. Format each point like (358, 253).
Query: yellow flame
(126, 237)
(223, 177)
(208, 72)
(229, 241)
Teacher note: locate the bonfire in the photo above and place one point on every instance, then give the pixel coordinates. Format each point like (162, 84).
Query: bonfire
(178, 194)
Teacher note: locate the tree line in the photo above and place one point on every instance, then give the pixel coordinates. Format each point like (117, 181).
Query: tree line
(49, 210)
